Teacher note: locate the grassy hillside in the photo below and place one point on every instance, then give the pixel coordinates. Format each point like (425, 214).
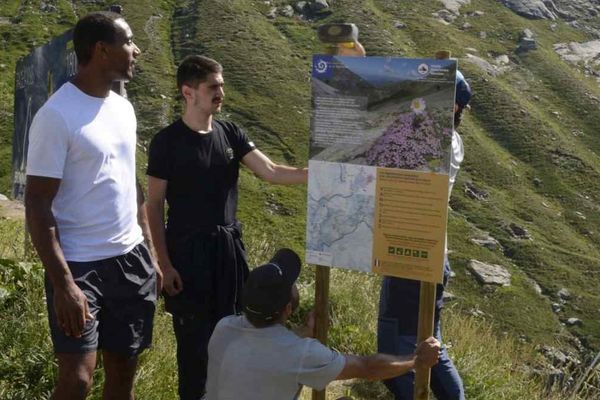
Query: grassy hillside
(532, 144)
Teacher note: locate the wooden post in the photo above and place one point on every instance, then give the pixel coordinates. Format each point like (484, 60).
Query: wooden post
(321, 314)
(426, 311)
(424, 330)
(349, 33)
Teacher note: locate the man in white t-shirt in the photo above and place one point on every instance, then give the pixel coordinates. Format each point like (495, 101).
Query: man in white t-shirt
(82, 212)
(254, 356)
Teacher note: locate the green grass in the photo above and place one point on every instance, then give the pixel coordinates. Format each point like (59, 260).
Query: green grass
(13, 244)
(27, 369)
(493, 365)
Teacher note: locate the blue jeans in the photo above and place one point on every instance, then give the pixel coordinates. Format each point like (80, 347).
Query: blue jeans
(445, 383)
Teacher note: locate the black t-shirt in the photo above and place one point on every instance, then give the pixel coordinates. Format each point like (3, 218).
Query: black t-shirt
(202, 173)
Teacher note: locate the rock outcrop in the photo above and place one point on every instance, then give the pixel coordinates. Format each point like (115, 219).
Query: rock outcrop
(518, 232)
(489, 274)
(580, 14)
(527, 41)
(570, 10)
(454, 5)
(574, 321)
(488, 242)
(586, 54)
(474, 192)
(302, 9)
(488, 67)
(534, 9)
(319, 5)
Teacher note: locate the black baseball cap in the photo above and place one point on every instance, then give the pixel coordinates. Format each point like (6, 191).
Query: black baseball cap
(269, 287)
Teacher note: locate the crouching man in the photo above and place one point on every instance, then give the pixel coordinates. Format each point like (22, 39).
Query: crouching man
(254, 356)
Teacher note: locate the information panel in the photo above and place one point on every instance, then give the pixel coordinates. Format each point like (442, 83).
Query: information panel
(380, 144)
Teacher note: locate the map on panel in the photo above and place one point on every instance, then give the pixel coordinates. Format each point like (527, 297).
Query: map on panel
(341, 205)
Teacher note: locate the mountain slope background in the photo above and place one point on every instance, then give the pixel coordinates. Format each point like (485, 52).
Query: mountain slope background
(531, 176)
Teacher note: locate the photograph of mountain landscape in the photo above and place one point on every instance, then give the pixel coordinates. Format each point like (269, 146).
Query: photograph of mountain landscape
(383, 111)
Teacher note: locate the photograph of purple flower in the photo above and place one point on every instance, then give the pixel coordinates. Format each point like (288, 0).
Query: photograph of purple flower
(415, 140)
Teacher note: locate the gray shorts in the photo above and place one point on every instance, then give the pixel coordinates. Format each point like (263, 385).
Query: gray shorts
(121, 295)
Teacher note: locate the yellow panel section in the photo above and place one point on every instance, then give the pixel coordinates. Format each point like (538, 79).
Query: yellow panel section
(409, 233)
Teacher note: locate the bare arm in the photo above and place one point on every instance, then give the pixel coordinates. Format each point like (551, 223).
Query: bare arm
(267, 170)
(69, 301)
(376, 367)
(142, 218)
(384, 366)
(155, 206)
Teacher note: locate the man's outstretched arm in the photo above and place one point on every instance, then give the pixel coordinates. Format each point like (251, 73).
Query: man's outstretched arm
(384, 366)
(267, 170)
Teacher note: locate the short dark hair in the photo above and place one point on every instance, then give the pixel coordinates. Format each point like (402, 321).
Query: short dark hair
(195, 69)
(95, 27)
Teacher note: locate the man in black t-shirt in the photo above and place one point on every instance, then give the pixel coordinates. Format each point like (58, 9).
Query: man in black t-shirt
(194, 164)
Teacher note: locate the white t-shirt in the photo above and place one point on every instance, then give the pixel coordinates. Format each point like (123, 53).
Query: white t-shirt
(270, 363)
(88, 143)
(456, 158)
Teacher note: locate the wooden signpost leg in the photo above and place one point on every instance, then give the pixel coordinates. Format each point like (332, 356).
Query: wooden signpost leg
(321, 314)
(322, 273)
(426, 312)
(424, 330)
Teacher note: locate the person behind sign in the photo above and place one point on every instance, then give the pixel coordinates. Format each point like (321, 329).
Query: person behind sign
(254, 356)
(81, 206)
(399, 299)
(341, 39)
(194, 164)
